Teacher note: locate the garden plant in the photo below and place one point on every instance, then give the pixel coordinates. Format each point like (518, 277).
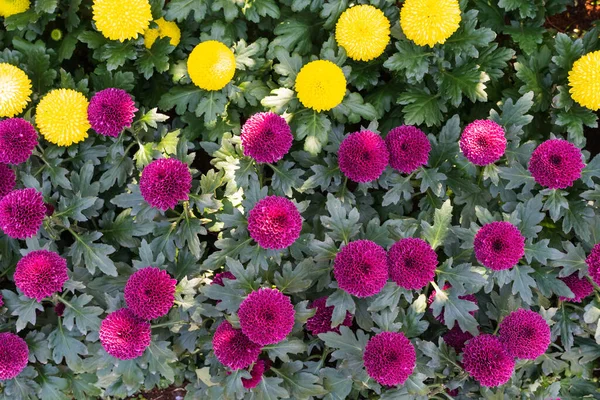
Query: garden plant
(299, 199)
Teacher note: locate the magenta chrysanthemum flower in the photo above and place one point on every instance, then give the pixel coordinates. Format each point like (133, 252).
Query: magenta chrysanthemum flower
(593, 262)
(499, 245)
(486, 360)
(218, 278)
(389, 358)
(409, 148)
(8, 180)
(266, 316)
(59, 309)
(22, 213)
(165, 182)
(556, 164)
(321, 321)
(363, 156)
(40, 274)
(110, 111)
(233, 348)
(150, 292)
(580, 287)
(266, 137)
(456, 338)
(18, 138)
(123, 335)
(274, 222)
(360, 268)
(525, 334)
(258, 370)
(469, 297)
(412, 263)
(14, 355)
(483, 142)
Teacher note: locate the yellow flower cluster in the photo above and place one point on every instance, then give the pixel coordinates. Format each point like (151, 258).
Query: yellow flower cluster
(584, 80)
(363, 31)
(165, 29)
(321, 85)
(429, 22)
(12, 7)
(15, 89)
(121, 19)
(61, 117)
(211, 65)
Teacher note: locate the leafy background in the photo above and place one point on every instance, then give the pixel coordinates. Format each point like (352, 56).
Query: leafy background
(504, 63)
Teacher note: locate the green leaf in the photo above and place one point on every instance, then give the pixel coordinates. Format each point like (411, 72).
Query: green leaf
(285, 177)
(522, 282)
(591, 170)
(314, 129)
(353, 109)
(389, 297)
(180, 9)
(168, 143)
(468, 38)
(85, 252)
(301, 383)
(337, 383)
(293, 35)
(116, 54)
(549, 284)
(462, 277)
(568, 51)
(23, 307)
(270, 389)
(541, 252)
(85, 318)
(155, 58)
(282, 349)
(571, 262)
(183, 98)
(420, 106)
(65, 346)
(530, 216)
(294, 280)
(342, 303)
(348, 347)
(411, 60)
(555, 203)
(342, 224)
(159, 356)
(437, 233)
(526, 7)
(465, 80)
(455, 310)
(212, 105)
(279, 99)
(578, 218)
(45, 6)
(517, 176)
(432, 179)
(528, 37)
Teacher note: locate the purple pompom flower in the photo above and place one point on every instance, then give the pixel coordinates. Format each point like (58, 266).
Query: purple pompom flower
(266, 316)
(40, 274)
(22, 213)
(412, 263)
(409, 148)
(123, 335)
(14, 355)
(389, 358)
(556, 164)
(258, 370)
(18, 138)
(8, 180)
(363, 156)
(321, 321)
(456, 338)
(110, 111)
(218, 278)
(499, 245)
(525, 334)
(150, 292)
(266, 137)
(593, 262)
(165, 182)
(360, 268)
(232, 348)
(580, 287)
(275, 223)
(59, 309)
(483, 142)
(486, 360)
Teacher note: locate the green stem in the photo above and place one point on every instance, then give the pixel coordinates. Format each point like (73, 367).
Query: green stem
(170, 323)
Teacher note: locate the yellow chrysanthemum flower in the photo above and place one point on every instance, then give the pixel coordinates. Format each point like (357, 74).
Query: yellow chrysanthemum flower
(165, 29)
(12, 7)
(363, 31)
(15, 89)
(429, 22)
(61, 117)
(584, 79)
(121, 19)
(321, 85)
(211, 65)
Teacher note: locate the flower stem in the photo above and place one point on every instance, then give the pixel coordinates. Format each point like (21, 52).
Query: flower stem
(170, 323)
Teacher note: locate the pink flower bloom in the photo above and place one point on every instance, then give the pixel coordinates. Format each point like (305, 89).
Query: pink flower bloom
(8, 180)
(456, 338)
(165, 182)
(499, 245)
(275, 223)
(360, 268)
(14, 355)
(18, 138)
(593, 262)
(258, 370)
(408, 147)
(389, 358)
(266, 137)
(22, 213)
(123, 335)
(363, 156)
(59, 309)
(321, 321)
(110, 111)
(556, 164)
(218, 278)
(150, 292)
(266, 316)
(580, 287)
(232, 348)
(486, 360)
(40, 274)
(412, 263)
(483, 142)
(525, 334)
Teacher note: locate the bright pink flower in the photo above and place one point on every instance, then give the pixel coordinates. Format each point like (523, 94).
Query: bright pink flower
(40, 274)
(266, 137)
(14, 355)
(408, 147)
(486, 360)
(499, 245)
(412, 263)
(483, 142)
(275, 223)
(150, 292)
(321, 321)
(18, 139)
(110, 111)
(218, 278)
(389, 358)
(363, 156)
(525, 334)
(165, 182)
(556, 164)
(22, 213)
(232, 348)
(593, 262)
(123, 335)
(8, 180)
(580, 287)
(360, 268)
(258, 370)
(456, 338)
